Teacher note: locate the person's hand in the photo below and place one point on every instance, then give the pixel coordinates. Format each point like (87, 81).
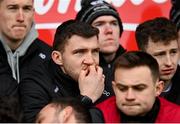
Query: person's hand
(91, 82)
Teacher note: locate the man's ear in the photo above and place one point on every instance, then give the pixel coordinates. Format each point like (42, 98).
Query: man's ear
(57, 57)
(114, 85)
(66, 114)
(159, 87)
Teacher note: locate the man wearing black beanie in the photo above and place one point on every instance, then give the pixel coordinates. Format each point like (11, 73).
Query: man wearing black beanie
(105, 17)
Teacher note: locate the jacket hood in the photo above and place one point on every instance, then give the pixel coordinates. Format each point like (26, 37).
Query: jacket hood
(13, 57)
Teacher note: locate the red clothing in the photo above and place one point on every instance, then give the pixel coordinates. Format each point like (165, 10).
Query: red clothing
(168, 113)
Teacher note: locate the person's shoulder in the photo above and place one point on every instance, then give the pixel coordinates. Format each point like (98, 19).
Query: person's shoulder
(121, 50)
(169, 112)
(42, 45)
(104, 106)
(37, 73)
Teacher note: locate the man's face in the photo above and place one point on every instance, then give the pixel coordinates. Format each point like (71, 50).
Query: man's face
(80, 53)
(167, 57)
(16, 18)
(109, 33)
(135, 94)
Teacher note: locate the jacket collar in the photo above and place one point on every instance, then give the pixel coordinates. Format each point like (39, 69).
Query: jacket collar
(69, 85)
(120, 51)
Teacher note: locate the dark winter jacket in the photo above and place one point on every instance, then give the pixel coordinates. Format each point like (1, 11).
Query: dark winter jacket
(108, 72)
(37, 52)
(163, 111)
(43, 84)
(8, 85)
(174, 94)
(32, 51)
(13, 64)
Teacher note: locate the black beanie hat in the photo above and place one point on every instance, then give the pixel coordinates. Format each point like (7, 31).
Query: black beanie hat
(91, 9)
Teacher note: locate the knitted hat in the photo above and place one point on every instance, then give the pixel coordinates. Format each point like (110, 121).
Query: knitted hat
(91, 9)
(175, 13)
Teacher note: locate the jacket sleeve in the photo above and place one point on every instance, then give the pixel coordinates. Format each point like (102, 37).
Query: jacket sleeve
(33, 97)
(96, 115)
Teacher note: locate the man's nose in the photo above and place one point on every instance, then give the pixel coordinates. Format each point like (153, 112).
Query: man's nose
(108, 29)
(130, 95)
(89, 59)
(20, 15)
(168, 60)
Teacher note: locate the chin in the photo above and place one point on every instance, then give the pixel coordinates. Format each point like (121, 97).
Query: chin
(167, 78)
(131, 113)
(108, 51)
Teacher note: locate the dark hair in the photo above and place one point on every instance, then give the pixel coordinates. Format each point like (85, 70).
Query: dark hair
(159, 29)
(81, 112)
(69, 28)
(10, 109)
(91, 9)
(134, 59)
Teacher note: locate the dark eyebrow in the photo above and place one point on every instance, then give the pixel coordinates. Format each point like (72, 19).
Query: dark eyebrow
(120, 84)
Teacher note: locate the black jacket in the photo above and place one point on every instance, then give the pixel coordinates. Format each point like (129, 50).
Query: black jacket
(43, 84)
(8, 85)
(37, 52)
(174, 94)
(109, 75)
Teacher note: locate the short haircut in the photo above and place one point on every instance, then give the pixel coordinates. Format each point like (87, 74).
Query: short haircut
(70, 28)
(82, 114)
(134, 59)
(159, 29)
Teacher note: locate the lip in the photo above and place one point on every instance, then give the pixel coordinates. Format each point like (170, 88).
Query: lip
(109, 39)
(131, 104)
(167, 71)
(19, 26)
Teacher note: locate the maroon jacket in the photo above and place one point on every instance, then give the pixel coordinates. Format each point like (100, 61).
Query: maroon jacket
(168, 113)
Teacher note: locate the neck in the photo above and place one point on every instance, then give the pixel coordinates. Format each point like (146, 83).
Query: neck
(166, 84)
(12, 43)
(109, 57)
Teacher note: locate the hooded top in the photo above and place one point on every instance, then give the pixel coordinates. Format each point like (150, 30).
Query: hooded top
(13, 57)
(27, 48)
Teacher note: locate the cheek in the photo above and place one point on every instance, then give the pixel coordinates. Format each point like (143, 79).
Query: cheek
(96, 59)
(176, 58)
(119, 95)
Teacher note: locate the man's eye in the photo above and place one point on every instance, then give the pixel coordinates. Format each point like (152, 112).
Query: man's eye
(96, 51)
(12, 7)
(97, 24)
(174, 52)
(139, 88)
(115, 23)
(123, 89)
(28, 8)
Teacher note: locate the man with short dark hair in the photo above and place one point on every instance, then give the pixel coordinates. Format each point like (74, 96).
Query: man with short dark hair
(159, 37)
(137, 87)
(105, 17)
(73, 70)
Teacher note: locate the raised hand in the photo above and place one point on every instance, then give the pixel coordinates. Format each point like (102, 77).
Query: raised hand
(91, 82)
